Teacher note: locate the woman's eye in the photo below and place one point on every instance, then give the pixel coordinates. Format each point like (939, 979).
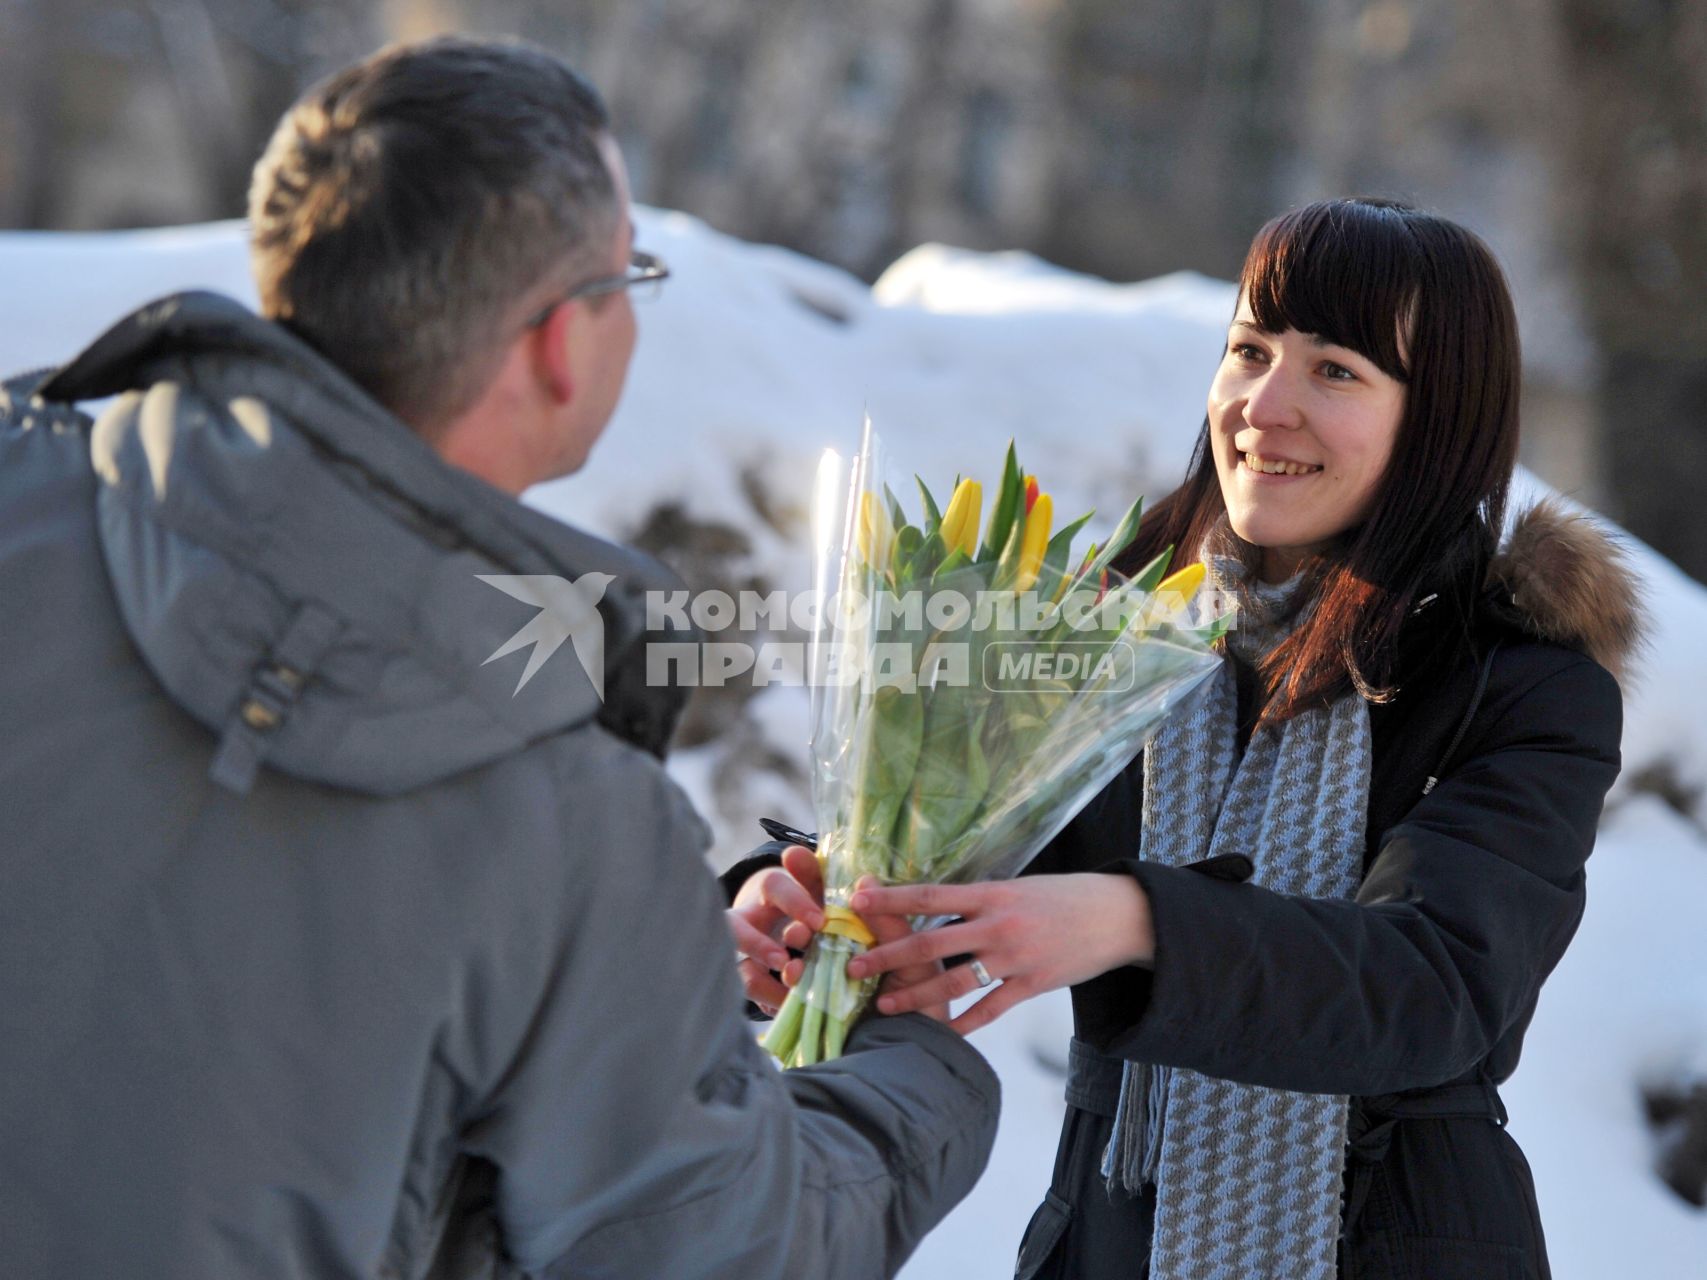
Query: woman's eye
(1337, 372)
(1244, 351)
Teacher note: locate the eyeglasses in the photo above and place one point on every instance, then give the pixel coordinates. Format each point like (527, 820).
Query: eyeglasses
(645, 273)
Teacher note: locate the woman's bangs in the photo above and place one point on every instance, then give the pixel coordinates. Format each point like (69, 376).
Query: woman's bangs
(1345, 272)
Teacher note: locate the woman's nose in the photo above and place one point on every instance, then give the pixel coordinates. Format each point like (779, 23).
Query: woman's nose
(1273, 402)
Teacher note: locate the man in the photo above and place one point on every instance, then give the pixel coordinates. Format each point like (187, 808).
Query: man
(324, 949)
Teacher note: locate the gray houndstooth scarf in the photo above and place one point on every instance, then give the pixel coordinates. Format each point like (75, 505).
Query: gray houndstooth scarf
(1247, 1178)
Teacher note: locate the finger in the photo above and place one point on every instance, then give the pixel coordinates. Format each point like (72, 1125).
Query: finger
(787, 895)
(793, 971)
(914, 949)
(797, 936)
(940, 989)
(991, 1007)
(915, 997)
(921, 899)
(803, 865)
(889, 928)
(885, 928)
(761, 986)
(755, 943)
(748, 894)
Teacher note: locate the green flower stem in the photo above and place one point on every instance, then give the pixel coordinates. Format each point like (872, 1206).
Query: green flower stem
(784, 1033)
(835, 1022)
(812, 1028)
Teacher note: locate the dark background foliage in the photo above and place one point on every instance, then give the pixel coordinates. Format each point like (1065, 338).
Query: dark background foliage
(1126, 140)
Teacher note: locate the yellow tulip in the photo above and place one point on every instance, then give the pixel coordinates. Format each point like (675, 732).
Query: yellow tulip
(1171, 594)
(960, 521)
(1184, 583)
(875, 532)
(1034, 541)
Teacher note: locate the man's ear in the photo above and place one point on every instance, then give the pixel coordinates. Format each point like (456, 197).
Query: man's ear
(550, 352)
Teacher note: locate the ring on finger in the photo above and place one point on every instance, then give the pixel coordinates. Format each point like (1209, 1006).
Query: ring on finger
(980, 974)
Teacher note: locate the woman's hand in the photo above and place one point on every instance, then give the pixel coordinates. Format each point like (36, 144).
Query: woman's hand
(902, 977)
(1031, 935)
(777, 908)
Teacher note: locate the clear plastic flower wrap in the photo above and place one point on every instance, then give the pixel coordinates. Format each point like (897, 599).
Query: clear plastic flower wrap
(971, 693)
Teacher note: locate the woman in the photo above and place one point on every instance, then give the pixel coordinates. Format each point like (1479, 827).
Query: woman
(1306, 930)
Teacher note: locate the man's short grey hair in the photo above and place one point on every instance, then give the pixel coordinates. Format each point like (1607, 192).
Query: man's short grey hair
(407, 204)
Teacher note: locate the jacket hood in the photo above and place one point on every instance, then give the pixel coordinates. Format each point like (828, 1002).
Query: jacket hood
(310, 581)
(1561, 577)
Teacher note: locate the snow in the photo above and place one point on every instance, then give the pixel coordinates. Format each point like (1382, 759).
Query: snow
(1628, 1001)
(755, 360)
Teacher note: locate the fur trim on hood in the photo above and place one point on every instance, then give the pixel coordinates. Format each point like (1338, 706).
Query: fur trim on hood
(1565, 578)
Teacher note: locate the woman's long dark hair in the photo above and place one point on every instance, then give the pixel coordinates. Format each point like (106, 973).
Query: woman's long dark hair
(1370, 275)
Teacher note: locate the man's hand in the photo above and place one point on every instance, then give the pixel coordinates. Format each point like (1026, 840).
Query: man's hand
(778, 908)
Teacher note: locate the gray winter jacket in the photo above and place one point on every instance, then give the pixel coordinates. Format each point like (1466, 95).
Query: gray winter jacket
(324, 951)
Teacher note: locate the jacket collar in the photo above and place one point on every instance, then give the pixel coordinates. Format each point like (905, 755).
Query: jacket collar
(245, 479)
(1558, 576)
(1562, 577)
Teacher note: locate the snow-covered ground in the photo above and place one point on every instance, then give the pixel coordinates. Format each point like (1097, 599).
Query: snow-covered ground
(755, 360)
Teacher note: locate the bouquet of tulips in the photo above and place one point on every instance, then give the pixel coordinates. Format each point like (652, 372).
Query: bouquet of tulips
(972, 691)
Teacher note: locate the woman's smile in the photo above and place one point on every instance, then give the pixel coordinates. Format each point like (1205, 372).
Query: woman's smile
(1263, 467)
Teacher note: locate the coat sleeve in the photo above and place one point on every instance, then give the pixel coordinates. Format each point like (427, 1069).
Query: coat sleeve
(1466, 907)
(639, 1129)
(768, 854)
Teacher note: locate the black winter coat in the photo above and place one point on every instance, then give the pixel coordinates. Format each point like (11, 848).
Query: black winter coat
(1490, 768)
